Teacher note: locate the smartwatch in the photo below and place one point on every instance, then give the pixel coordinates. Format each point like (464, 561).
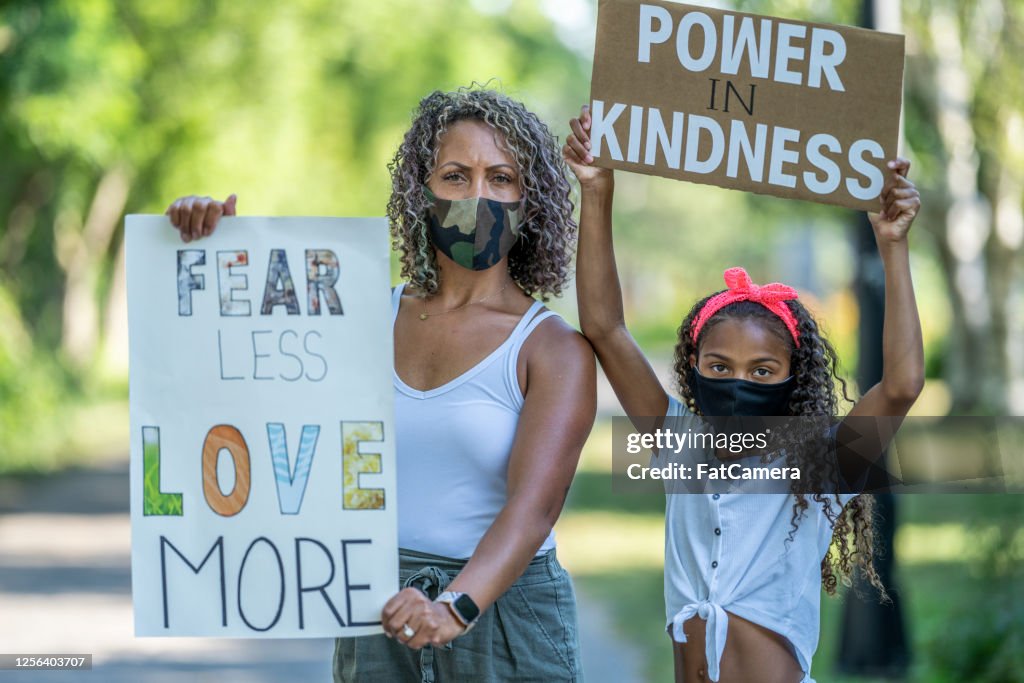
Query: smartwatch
(462, 606)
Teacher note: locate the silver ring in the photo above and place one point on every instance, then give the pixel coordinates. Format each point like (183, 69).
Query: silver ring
(408, 632)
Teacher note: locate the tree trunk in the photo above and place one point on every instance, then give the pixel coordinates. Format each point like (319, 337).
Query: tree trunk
(80, 253)
(977, 265)
(115, 328)
(1008, 299)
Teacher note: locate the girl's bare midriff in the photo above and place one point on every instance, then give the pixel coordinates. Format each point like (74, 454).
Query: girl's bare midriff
(752, 654)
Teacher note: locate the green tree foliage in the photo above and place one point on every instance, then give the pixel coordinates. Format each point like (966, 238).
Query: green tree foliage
(113, 106)
(965, 126)
(116, 106)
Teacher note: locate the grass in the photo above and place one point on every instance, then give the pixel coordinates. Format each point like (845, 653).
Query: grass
(946, 546)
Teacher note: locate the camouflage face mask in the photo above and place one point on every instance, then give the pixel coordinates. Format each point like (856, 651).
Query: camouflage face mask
(476, 233)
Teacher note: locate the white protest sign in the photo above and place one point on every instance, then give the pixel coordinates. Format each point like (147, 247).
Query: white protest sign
(262, 440)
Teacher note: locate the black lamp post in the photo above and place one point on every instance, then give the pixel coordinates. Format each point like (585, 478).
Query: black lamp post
(873, 639)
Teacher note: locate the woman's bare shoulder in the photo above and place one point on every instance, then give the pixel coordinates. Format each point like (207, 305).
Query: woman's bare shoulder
(556, 342)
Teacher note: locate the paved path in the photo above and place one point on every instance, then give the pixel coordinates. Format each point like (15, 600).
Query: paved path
(65, 587)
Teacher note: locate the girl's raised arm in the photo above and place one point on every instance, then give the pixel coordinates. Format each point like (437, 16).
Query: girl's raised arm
(598, 294)
(902, 347)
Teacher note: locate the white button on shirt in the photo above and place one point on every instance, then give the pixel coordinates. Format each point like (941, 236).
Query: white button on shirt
(728, 553)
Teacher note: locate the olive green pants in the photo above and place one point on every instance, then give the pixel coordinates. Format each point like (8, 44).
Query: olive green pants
(528, 634)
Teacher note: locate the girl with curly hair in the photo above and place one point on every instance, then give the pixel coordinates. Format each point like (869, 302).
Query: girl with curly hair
(494, 398)
(743, 570)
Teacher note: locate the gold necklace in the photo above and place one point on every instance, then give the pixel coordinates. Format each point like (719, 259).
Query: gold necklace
(424, 316)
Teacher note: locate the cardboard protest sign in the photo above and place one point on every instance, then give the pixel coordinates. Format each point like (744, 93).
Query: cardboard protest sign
(262, 440)
(767, 105)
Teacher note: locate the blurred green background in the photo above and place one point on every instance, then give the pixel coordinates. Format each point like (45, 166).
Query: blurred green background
(110, 107)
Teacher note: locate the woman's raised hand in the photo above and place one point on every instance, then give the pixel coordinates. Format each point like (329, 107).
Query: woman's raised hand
(196, 217)
(576, 152)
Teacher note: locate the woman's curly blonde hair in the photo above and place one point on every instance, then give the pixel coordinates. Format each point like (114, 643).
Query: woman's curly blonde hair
(539, 260)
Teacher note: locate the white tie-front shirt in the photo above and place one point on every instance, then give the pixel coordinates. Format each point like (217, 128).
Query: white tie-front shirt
(727, 553)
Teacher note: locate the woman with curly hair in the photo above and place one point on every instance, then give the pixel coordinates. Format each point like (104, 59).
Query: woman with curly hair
(494, 398)
(743, 570)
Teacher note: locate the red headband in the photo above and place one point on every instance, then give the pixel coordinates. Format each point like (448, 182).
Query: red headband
(771, 296)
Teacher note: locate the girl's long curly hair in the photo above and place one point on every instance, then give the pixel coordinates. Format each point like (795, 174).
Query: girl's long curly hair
(817, 393)
(539, 260)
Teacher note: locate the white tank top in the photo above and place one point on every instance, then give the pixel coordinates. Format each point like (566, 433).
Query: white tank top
(453, 444)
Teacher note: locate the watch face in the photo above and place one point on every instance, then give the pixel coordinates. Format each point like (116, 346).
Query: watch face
(466, 607)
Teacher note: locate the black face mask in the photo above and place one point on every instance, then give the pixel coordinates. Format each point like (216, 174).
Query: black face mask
(740, 397)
